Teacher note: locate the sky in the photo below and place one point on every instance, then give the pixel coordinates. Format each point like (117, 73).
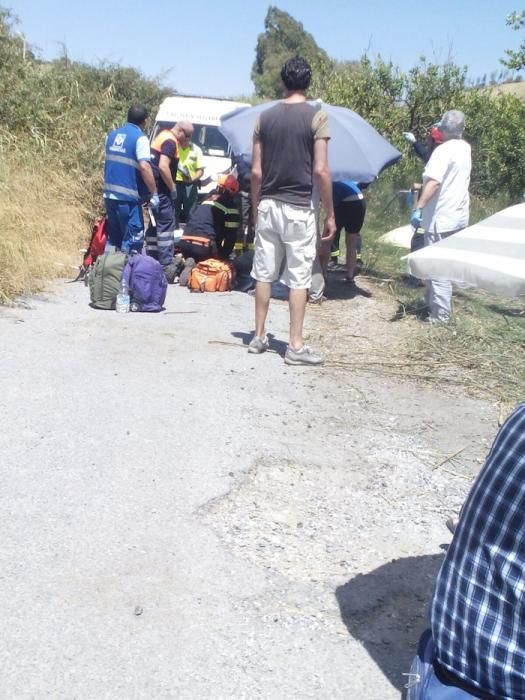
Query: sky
(208, 47)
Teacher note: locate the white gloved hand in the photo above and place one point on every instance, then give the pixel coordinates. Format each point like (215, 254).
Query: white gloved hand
(409, 136)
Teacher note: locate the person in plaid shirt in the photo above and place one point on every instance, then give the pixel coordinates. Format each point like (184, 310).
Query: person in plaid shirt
(478, 607)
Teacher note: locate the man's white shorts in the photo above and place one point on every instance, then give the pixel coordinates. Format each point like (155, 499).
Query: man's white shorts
(284, 233)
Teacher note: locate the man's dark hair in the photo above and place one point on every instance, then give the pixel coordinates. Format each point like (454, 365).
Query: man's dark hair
(296, 73)
(137, 114)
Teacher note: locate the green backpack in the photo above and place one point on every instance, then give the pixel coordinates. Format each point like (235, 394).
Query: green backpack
(105, 278)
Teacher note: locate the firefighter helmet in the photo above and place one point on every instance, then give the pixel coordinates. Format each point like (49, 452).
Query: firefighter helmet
(228, 182)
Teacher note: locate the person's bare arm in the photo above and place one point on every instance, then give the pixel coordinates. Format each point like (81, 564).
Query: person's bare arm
(323, 181)
(147, 176)
(430, 189)
(165, 172)
(256, 178)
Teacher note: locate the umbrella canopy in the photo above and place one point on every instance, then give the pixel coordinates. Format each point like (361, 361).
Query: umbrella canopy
(356, 151)
(490, 255)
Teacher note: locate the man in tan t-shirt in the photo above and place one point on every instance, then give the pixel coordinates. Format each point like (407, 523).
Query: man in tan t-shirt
(290, 154)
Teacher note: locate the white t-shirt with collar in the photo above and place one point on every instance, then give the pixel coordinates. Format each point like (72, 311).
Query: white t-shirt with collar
(450, 165)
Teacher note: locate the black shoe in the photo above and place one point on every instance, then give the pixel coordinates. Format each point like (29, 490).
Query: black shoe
(170, 272)
(334, 266)
(184, 278)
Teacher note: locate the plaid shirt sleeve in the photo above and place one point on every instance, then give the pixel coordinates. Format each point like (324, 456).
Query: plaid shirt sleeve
(478, 607)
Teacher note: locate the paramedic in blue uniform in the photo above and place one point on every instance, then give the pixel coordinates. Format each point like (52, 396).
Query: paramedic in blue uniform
(128, 181)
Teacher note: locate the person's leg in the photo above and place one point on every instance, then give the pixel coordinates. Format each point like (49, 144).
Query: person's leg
(318, 284)
(300, 240)
(323, 254)
(152, 248)
(267, 260)
(124, 210)
(355, 211)
(263, 291)
(439, 292)
(246, 218)
(166, 226)
(191, 198)
(297, 305)
(115, 232)
(351, 254)
(334, 248)
(134, 236)
(181, 191)
(440, 300)
(182, 201)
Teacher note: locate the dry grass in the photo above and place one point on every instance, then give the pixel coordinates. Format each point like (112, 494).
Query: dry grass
(481, 353)
(42, 224)
(517, 88)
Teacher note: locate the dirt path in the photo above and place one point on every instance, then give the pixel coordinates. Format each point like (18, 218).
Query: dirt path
(183, 520)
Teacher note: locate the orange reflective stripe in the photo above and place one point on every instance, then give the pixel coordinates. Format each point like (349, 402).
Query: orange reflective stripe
(161, 138)
(199, 240)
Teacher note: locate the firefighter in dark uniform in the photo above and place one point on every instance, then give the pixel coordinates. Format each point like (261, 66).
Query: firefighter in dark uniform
(246, 233)
(212, 229)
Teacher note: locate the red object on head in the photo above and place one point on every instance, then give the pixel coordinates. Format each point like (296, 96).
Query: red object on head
(229, 182)
(436, 135)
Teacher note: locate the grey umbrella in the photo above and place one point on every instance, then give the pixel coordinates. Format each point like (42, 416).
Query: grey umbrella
(356, 151)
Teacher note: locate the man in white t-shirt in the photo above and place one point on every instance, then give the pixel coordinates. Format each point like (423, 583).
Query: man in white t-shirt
(443, 207)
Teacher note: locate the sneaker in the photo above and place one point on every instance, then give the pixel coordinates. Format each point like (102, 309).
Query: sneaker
(452, 524)
(304, 356)
(258, 345)
(334, 266)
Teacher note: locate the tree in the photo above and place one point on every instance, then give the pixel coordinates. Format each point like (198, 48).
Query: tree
(283, 38)
(515, 59)
(429, 90)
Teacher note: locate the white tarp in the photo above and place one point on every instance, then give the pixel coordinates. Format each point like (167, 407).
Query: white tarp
(400, 236)
(489, 254)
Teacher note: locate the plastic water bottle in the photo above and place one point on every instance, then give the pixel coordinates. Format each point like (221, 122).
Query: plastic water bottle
(122, 305)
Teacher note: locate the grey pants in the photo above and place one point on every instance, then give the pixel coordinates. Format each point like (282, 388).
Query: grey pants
(439, 292)
(318, 282)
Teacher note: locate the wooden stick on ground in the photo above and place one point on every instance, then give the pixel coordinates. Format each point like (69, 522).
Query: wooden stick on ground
(447, 459)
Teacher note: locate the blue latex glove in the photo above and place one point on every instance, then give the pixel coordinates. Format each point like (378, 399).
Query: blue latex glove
(154, 202)
(173, 195)
(416, 217)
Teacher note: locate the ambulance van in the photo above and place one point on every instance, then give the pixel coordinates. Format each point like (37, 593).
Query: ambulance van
(205, 115)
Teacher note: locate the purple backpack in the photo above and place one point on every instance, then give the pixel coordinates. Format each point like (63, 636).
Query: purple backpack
(147, 283)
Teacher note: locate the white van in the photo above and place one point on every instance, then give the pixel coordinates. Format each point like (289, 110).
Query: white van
(205, 115)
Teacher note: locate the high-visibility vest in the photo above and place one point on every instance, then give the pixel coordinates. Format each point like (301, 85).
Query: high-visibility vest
(161, 137)
(122, 178)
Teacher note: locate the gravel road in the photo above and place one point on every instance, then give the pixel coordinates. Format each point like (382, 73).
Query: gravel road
(181, 519)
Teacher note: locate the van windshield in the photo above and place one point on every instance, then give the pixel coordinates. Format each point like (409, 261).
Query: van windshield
(207, 136)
